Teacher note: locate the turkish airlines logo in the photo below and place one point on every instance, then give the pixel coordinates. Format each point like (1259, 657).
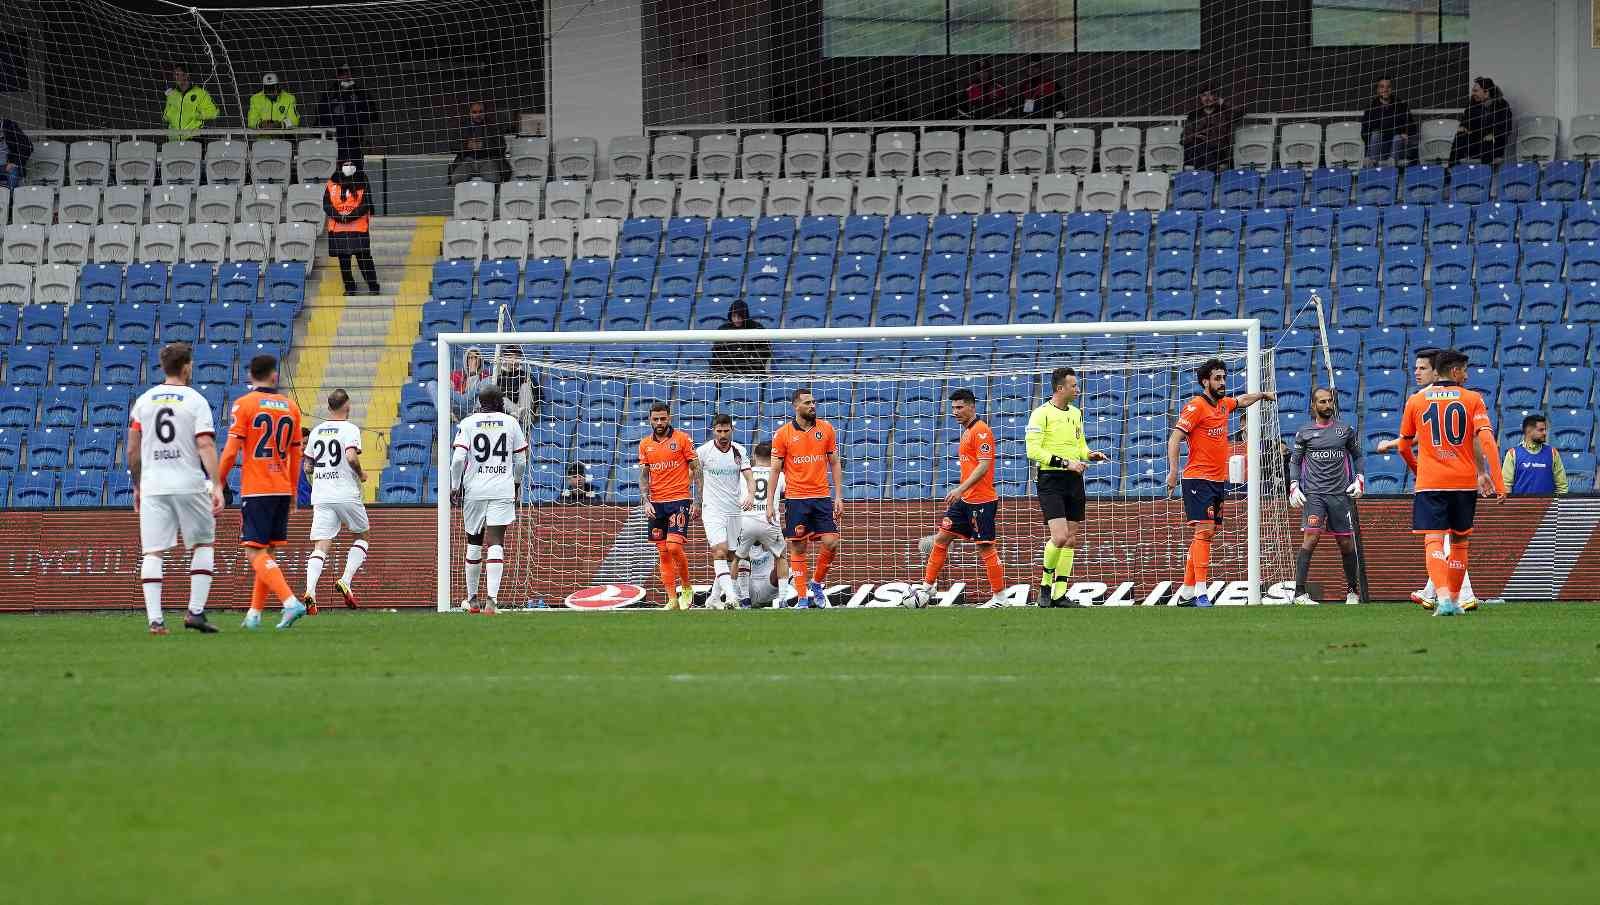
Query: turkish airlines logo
(605, 597)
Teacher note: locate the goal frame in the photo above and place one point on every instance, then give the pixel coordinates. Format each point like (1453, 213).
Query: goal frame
(1251, 328)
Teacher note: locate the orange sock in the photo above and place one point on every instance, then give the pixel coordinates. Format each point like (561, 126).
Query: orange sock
(258, 595)
(680, 562)
(797, 568)
(991, 564)
(936, 558)
(1457, 565)
(268, 573)
(1188, 566)
(667, 563)
(824, 560)
(1434, 559)
(1200, 557)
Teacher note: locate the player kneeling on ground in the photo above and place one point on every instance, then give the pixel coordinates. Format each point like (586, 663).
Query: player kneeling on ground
(759, 544)
(971, 506)
(487, 461)
(333, 460)
(1325, 470)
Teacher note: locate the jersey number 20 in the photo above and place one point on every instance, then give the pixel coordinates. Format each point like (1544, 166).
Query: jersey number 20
(274, 439)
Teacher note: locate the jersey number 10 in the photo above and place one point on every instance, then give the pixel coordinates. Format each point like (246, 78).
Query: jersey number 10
(1452, 424)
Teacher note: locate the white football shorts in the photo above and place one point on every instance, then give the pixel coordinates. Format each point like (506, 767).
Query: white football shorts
(721, 527)
(163, 516)
(755, 531)
(476, 514)
(326, 519)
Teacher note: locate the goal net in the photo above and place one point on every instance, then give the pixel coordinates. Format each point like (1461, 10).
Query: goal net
(584, 399)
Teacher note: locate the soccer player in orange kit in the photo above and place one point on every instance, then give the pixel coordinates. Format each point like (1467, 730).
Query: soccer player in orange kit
(805, 451)
(972, 505)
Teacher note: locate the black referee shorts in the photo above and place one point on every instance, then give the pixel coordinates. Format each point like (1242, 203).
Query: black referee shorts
(1061, 495)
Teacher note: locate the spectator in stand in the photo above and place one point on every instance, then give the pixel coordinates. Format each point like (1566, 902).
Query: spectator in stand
(1485, 125)
(465, 383)
(579, 491)
(189, 107)
(482, 155)
(1533, 467)
(522, 393)
(1208, 132)
(740, 356)
(347, 112)
(984, 96)
(348, 203)
(1039, 97)
(272, 107)
(302, 493)
(15, 149)
(1387, 126)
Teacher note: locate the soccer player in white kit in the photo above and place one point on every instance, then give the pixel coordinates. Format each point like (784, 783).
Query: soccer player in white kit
(172, 455)
(487, 463)
(333, 460)
(760, 544)
(726, 490)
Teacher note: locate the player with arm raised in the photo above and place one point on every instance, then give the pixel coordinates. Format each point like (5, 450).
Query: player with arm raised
(1446, 435)
(727, 489)
(487, 462)
(971, 506)
(1204, 423)
(805, 452)
(1056, 444)
(265, 437)
(668, 471)
(1325, 468)
(172, 454)
(760, 543)
(333, 462)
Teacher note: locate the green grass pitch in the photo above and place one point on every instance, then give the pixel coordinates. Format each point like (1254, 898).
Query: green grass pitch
(1274, 755)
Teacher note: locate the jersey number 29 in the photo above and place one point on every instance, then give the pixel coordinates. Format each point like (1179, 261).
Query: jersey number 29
(326, 453)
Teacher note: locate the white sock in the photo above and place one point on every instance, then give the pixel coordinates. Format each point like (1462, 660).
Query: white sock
(474, 567)
(724, 581)
(150, 572)
(202, 563)
(742, 583)
(353, 561)
(1466, 589)
(1185, 591)
(314, 564)
(495, 565)
(1428, 589)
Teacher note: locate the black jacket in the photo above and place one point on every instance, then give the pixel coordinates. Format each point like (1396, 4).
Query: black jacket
(735, 357)
(1387, 120)
(1489, 121)
(18, 147)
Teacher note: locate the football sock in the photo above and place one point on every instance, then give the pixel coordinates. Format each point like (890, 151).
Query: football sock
(1438, 568)
(495, 566)
(1188, 568)
(1200, 554)
(353, 561)
(271, 576)
(150, 572)
(824, 560)
(1456, 562)
(1052, 556)
(742, 586)
(680, 562)
(797, 568)
(724, 581)
(1352, 570)
(1064, 563)
(202, 564)
(473, 568)
(990, 557)
(1466, 589)
(936, 558)
(314, 564)
(258, 594)
(664, 565)
(1302, 566)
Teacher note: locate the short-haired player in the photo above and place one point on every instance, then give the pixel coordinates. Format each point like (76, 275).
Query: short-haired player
(668, 471)
(1446, 435)
(805, 452)
(727, 489)
(759, 545)
(487, 462)
(1204, 424)
(971, 507)
(172, 454)
(333, 462)
(1325, 468)
(1057, 445)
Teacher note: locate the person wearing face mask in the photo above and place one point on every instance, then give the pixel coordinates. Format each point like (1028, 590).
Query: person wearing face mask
(348, 204)
(482, 155)
(189, 107)
(272, 107)
(347, 112)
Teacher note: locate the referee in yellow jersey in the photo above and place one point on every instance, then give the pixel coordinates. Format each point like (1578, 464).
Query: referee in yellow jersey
(1057, 445)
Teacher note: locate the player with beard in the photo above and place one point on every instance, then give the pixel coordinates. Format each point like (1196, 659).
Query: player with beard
(805, 452)
(1326, 477)
(668, 471)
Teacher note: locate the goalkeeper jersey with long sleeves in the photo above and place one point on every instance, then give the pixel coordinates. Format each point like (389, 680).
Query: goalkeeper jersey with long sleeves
(1056, 432)
(1325, 457)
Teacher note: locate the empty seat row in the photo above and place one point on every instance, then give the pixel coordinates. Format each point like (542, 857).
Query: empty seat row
(130, 363)
(1467, 183)
(138, 162)
(167, 203)
(103, 284)
(121, 243)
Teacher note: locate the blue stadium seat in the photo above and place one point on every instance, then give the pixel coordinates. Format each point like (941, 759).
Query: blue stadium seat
(943, 309)
(730, 236)
(47, 448)
(74, 365)
(589, 277)
(1171, 305)
(1452, 304)
(1313, 226)
(271, 322)
(1580, 471)
(1218, 268)
(1173, 270)
(535, 315)
(908, 234)
(767, 275)
(1192, 190)
(93, 447)
(215, 363)
(1377, 185)
(191, 282)
(42, 325)
(1358, 305)
(181, 322)
(1076, 307)
(1330, 187)
(671, 312)
(951, 234)
(722, 276)
(1469, 183)
(1358, 266)
(1344, 347)
(1037, 272)
(996, 233)
(1583, 261)
(238, 282)
(1423, 185)
(83, 488)
(1520, 345)
(225, 321)
(1080, 272)
(818, 236)
(1385, 349)
(100, 284)
(1127, 270)
(1541, 221)
(122, 365)
(686, 237)
(1266, 305)
(416, 402)
(1498, 303)
(1518, 182)
(452, 280)
(1561, 181)
(62, 407)
(499, 279)
(286, 284)
(1565, 344)
(813, 274)
(1571, 387)
(709, 312)
(1385, 389)
(1430, 336)
(402, 484)
(17, 405)
(863, 235)
(34, 490)
(1495, 222)
(442, 316)
(991, 273)
(624, 313)
(774, 236)
(1130, 231)
(639, 237)
(1239, 189)
(989, 308)
(900, 274)
(1265, 228)
(1542, 303)
(28, 365)
(1486, 380)
(546, 278)
(1449, 223)
(857, 274)
(1041, 233)
(1313, 266)
(1378, 426)
(1452, 263)
(1582, 221)
(1403, 265)
(1221, 304)
(1572, 429)
(1386, 474)
(1085, 232)
(134, 325)
(1405, 224)
(1132, 306)
(1294, 390)
(1221, 229)
(945, 273)
(145, 283)
(1263, 267)
(896, 310)
(1283, 188)
(1478, 341)
(1176, 230)
(1497, 262)
(484, 317)
(411, 444)
(1359, 226)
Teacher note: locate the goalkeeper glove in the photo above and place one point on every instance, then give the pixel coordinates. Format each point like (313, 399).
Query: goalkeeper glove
(1357, 487)
(1057, 462)
(1296, 498)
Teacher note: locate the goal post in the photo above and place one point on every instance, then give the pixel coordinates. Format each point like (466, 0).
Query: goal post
(885, 391)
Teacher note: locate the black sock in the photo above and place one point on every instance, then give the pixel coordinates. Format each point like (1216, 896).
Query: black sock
(1302, 567)
(1352, 575)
